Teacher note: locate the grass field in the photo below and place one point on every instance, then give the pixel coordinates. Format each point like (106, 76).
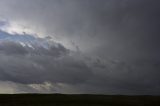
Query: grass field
(76, 100)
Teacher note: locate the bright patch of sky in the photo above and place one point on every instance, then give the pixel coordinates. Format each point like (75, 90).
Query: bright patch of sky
(14, 31)
(23, 38)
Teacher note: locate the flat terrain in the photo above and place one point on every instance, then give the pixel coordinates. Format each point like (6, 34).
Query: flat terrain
(77, 100)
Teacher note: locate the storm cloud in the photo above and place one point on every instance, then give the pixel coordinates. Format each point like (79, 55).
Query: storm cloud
(80, 46)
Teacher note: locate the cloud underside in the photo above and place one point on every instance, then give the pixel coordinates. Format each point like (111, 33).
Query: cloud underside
(53, 68)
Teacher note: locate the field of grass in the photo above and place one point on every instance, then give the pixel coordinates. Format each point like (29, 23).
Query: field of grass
(77, 100)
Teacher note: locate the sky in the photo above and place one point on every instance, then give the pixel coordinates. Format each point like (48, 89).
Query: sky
(80, 46)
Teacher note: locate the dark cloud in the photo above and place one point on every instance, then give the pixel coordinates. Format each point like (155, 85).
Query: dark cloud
(74, 72)
(15, 48)
(116, 45)
(37, 64)
(107, 28)
(11, 48)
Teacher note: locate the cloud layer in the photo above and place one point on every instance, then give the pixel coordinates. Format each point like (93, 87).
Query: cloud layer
(80, 46)
(51, 68)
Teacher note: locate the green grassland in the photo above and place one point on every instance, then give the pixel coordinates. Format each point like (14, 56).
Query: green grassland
(77, 100)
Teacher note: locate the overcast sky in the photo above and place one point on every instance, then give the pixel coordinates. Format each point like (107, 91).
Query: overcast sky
(80, 46)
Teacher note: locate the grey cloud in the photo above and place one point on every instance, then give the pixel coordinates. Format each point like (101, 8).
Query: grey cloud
(119, 33)
(124, 78)
(11, 48)
(75, 73)
(9, 87)
(120, 27)
(38, 64)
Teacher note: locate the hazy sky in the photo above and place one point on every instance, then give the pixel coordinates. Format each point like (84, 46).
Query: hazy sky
(80, 46)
